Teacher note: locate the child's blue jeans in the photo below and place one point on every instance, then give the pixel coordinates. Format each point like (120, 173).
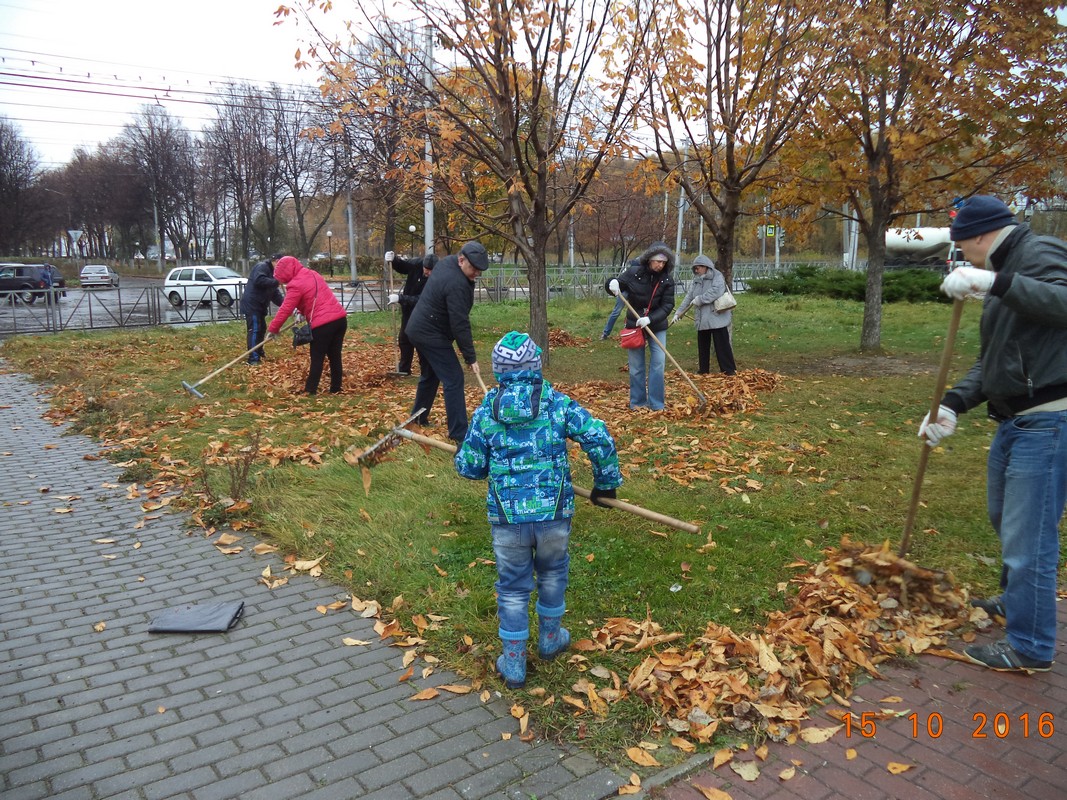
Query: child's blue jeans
(521, 550)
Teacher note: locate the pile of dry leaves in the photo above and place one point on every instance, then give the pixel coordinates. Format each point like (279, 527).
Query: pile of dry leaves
(857, 608)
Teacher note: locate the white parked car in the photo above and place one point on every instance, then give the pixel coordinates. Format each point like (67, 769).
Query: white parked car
(98, 275)
(203, 285)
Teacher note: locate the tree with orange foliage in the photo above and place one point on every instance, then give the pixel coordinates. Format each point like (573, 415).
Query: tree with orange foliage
(730, 80)
(925, 102)
(519, 119)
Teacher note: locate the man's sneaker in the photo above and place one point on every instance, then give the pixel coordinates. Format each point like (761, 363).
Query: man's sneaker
(1002, 657)
(991, 606)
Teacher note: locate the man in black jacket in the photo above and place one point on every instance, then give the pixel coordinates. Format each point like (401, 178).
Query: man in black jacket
(441, 317)
(1021, 376)
(260, 291)
(417, 272)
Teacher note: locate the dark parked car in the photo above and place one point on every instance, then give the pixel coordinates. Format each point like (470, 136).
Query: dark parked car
(27, 283)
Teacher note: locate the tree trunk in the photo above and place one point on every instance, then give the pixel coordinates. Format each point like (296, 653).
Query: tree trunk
(871, 334)
(537, 275)
(725, 244)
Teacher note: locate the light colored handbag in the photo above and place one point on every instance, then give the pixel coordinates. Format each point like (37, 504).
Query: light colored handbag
(725, 301)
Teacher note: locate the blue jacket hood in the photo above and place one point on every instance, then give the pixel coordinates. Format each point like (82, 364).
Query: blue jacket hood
(518, 398)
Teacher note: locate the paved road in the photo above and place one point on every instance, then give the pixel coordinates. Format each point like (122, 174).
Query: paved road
(93, 706)
(140, 301)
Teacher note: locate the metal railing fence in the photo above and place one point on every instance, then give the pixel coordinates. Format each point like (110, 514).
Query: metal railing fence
(101, 309)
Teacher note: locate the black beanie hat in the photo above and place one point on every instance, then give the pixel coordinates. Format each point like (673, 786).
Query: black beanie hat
(980, 214)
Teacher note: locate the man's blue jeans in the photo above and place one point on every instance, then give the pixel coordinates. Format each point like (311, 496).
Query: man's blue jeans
(613, 317)
(650, 394)
(1027, 489)
(256, 328)
(522, 549)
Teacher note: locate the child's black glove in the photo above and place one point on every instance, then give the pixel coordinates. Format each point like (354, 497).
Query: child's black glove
(597, 494)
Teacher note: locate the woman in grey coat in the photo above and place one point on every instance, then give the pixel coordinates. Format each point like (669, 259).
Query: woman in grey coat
(712, 326)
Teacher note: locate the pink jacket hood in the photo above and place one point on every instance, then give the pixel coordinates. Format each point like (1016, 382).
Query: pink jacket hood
(305, 291)
(286, 268)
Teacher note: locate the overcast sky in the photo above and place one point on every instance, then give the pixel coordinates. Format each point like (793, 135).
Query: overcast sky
(100, 61)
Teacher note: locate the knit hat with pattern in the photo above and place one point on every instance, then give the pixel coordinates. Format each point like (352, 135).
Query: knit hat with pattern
(514, 352)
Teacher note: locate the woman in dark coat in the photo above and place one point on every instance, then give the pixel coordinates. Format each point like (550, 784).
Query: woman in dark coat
(649, 286)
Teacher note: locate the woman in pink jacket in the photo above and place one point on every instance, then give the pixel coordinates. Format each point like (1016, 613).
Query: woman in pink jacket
(307, 292)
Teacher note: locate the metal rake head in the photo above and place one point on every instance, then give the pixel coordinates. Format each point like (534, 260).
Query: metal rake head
(191, 389)
(374, 454)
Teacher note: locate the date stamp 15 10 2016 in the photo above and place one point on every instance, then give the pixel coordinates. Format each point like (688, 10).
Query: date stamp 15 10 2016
(997, 725)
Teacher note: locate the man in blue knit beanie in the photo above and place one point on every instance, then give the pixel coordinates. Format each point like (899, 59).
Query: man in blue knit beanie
(1021, 375)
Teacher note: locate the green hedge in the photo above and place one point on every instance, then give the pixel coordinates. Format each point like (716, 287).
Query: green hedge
(903, 285)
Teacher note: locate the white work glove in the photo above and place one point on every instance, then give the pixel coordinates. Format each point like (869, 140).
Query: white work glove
(964, 281)
(268, 337)
(642, 322)
(674, 319)
(934, 432)
(394, 298)
(389, 255)
(613, 286)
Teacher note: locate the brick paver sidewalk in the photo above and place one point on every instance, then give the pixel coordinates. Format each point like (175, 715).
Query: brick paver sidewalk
(93, 706)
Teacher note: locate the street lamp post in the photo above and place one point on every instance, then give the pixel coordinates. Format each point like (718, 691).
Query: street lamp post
(411, 230)
(329, 249)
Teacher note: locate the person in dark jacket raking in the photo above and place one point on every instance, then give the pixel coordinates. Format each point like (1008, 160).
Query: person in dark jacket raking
(1021, 376)
(256, 297)
(417, 272)
(649, 287)
(441, 317)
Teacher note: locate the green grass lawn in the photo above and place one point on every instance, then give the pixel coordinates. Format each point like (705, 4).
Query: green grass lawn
(831, 452)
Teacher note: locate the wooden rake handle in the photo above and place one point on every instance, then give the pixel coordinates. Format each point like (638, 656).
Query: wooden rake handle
(245, 354)
(622, 505)
(924, 456)
(666, 352)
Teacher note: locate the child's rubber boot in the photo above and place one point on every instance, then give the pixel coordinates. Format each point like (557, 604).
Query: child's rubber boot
(551, 638)
(512, 664)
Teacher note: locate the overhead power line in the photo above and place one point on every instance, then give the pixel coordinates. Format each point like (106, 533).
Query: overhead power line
(25, 73)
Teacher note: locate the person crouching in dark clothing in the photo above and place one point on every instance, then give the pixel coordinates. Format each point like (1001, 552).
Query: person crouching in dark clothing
(260, 291)
(417, 271)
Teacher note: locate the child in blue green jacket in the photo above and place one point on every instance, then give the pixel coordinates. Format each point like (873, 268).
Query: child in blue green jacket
(518, 440)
